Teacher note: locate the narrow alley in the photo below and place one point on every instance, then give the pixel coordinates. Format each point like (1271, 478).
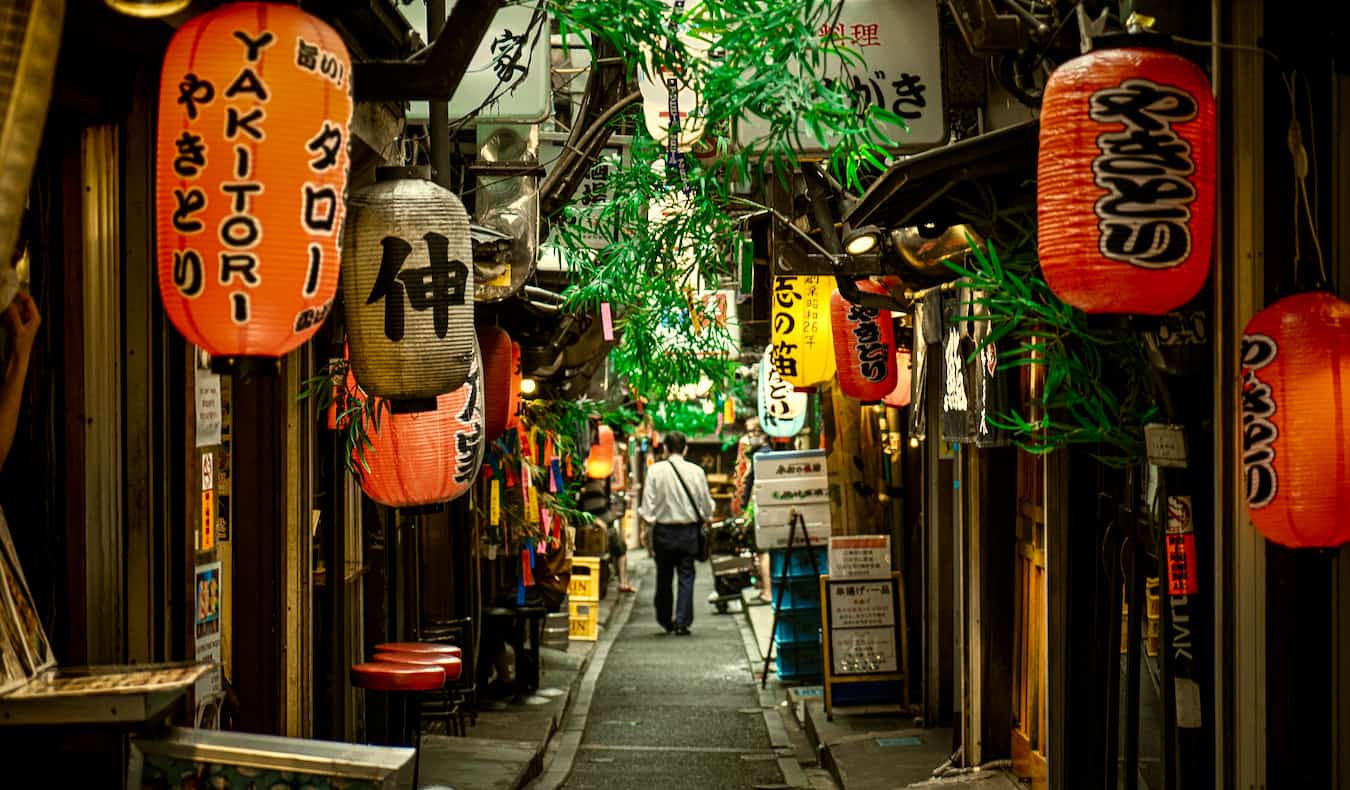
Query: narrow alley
(674, 711)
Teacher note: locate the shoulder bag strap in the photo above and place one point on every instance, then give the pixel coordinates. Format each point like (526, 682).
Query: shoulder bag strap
(697, 513)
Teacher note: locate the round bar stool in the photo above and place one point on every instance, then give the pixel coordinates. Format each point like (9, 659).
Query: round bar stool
(446, 702)
(419, 647)
(401, 680)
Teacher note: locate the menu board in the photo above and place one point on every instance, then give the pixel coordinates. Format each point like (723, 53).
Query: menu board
(862, 626)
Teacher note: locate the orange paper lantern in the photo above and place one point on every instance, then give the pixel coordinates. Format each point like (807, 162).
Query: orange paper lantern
(1125, 181)
(1296, 420)
(501, 389)
(600, 462)
(900, 396)
(513, 410)
(429, 457)
(864, 348)
(254, 107)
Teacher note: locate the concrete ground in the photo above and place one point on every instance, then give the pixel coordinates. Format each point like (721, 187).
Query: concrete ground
(666, 711)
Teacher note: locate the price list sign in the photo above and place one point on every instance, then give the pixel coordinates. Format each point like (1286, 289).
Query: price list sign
(862, 626)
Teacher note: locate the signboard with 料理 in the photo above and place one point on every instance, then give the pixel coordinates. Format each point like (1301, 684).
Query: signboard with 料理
(900, 43)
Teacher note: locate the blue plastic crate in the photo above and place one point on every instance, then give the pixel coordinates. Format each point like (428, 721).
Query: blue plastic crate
(801, 561)
(802, 592)
(799, 662)
(798, 625)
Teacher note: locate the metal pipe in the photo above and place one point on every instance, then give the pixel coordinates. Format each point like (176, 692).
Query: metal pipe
(439, 110)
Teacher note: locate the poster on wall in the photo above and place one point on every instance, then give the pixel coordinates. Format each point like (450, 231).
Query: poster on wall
(207, 627)
(207, 402)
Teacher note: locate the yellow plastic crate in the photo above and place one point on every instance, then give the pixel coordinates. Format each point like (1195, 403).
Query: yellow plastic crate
(583, 621)
(585, 582)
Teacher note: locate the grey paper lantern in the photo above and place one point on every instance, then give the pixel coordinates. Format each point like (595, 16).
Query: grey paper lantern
(30, 36)
(407, 285)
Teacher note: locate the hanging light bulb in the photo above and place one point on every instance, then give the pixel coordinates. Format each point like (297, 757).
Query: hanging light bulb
(528, 387)
(913, 441)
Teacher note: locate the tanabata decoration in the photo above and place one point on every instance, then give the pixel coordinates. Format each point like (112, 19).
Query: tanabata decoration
(501, 383)
(864, 348)
(671, 99)
(782, 411)
(1296, 420)
(600, 461)
(407, 287)
(426, 458)
(803, 345)
(30, 37)
(900, 396)
(1125, 183)
(251, 170)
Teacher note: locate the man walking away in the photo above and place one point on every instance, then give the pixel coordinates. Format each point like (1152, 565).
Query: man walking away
(676, 501)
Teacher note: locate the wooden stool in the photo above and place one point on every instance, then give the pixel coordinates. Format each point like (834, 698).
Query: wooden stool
(400, 681)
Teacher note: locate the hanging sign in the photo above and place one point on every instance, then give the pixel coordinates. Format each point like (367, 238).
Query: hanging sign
(803, 341)
(900, 44)
(207, 401)
(509, 74)
(670, 99)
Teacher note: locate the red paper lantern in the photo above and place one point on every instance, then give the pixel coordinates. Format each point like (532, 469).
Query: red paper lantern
(600, 462)
(254, 107)
(1296, 420)
(899, 397)
(500, 387)
(1125, 181)
(513, 410)
(864, 347)
(429, 457)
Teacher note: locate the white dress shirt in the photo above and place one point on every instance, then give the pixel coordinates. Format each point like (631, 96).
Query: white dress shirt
(664, 502)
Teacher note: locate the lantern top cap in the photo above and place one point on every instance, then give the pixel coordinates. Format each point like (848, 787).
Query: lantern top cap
(397, 172)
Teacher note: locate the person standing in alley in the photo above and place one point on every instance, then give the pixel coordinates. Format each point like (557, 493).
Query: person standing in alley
(676, 503)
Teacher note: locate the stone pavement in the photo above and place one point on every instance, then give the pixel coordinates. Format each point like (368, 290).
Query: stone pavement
(666, 711)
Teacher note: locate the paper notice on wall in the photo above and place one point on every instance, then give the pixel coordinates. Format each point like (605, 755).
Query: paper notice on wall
(207, 625)
(207, 407)
(860, 557)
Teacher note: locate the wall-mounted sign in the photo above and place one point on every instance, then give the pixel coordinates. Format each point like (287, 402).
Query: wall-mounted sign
(511, 66)
(860, 557)
(207, 402)
(206, 623)
(899, 41)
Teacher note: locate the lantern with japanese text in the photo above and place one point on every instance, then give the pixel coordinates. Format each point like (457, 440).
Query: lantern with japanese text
(864, 349)
(407, 287)
(428, 457)
(1125, 181)
(600, 461)
(900, 396)
(501, 387)
(1296, 420)
(803, 345)
(30, 37)
(251, 167)
(782, 411)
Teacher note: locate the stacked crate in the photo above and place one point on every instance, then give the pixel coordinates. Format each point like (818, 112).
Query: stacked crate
(797, 634)
(583, 596)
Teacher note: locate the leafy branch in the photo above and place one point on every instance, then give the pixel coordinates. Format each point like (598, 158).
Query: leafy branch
(358, 413)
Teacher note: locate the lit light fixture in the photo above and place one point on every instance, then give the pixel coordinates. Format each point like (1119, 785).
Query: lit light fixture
(148, 9)
(913, 441)
(862, 240)
(528, 386)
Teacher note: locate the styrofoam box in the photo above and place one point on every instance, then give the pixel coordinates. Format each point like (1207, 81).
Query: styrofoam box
(808, 464)
(790, 491)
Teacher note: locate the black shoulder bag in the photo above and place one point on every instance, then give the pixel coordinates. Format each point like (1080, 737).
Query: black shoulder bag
(703, 547)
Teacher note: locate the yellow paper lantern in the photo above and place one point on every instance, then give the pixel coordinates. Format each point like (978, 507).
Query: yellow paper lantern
(803, 343)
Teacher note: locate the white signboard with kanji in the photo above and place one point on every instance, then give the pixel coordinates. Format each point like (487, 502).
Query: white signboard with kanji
(899, 41)
(511, 67)
(860, 557)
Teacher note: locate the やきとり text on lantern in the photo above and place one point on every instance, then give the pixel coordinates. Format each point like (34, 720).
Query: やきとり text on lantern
(1125, 181)
(1296, 420)
(251, 170)
(864, 347)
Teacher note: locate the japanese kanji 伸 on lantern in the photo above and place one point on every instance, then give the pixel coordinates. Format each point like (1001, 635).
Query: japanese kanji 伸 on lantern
(803, 344)
(501, 388)
(429, 457)
(1125, 181)
(600, 460)
(251, 167)
(864, 348)
(1296, 420)
(899, 397)
(782, 410)
(407, 286)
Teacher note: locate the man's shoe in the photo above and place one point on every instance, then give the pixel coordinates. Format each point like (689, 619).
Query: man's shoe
(682, 631)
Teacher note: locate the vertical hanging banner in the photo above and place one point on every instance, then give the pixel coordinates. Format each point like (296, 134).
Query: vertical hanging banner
(803, 342)
(670, 99)
(251, 170)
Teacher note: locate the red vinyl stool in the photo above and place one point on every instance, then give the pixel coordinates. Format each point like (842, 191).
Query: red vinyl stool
(401, 680)
(449, 703)
(418, 647)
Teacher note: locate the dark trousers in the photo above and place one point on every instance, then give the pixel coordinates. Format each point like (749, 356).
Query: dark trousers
(676, 548)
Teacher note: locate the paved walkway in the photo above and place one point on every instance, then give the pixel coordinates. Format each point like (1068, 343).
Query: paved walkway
(675, 712)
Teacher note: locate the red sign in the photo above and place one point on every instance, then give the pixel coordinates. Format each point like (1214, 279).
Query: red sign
(1181, 565)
